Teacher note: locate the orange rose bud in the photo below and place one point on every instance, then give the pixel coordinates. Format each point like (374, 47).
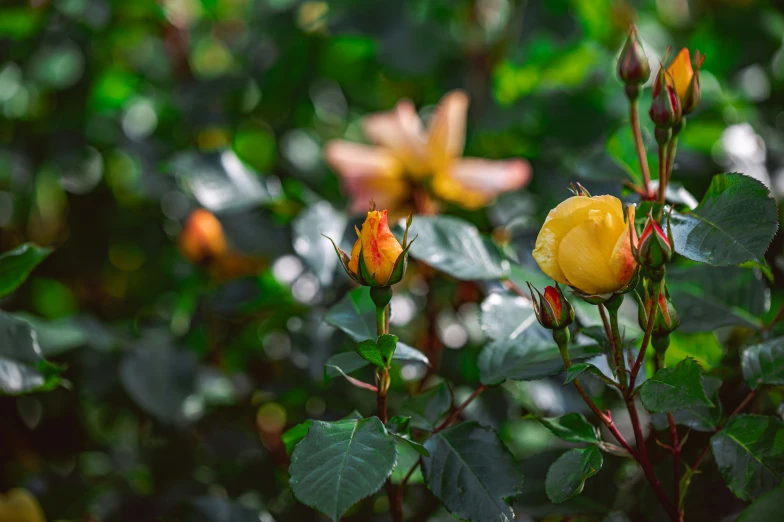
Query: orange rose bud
(552, 309)
(680, 73)
(377, 258)
(378, 246)
(202, 238)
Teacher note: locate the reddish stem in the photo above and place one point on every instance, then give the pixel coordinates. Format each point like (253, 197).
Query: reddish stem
(634, 119)
(459, 409)
(676, 463)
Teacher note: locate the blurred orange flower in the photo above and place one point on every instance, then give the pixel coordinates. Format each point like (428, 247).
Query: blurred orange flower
(405, 153)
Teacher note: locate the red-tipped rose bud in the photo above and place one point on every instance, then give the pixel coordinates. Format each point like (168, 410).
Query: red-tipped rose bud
(633, 67)
(666, 107)
(667, 320)
(654, 248)
(552, 309)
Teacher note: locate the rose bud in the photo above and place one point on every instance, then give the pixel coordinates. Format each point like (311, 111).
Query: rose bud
(202, 238)
(585, 243)
(633, 67)
(667, 320)
(552, 309)
(691, 97)
(377, 258)
(654, 247)
(665, 108)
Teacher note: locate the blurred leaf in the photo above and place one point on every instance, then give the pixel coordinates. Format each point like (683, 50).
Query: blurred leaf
(527, 359)
(704, 347)
(456, 247)
(22, 366)
(708, 297)
(159, 379)
(339, 463)
(616, 516)
(764, 363)
(749, 452)
(623, 150)
(426, 409)
(16, 265)
(734, 223)
(673, 389)
(767, 508)
(419, 448)
(567, 476)
(219, 181)
(407, 457)
(572, 427)
(316, 251)
(699, 418)
(293, 435)
(214, 509)
(505, 315)
(471, 472)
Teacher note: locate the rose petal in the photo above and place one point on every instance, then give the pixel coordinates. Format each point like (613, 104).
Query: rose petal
(473, 182)
(681, 71)
(401, 131)
(368, 172)
(446, 136)
(584, 253)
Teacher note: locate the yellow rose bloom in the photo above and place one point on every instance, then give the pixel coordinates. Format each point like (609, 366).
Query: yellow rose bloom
(585, 243)
(18, 505)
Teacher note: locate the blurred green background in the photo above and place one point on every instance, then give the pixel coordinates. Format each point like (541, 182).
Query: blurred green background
(118, 118)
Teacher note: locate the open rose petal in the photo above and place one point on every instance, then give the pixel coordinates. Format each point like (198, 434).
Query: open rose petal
(474, 182)
(401, 131)
(368, 172)
(446, 136)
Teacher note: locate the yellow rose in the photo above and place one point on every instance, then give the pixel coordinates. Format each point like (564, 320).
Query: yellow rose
(18, 505)
(379, 246)
(584, 243)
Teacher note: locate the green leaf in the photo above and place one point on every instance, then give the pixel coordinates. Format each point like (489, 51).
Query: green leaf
(22, 366)
(472, 473)
(429, 407)
(734, 223)
(764, 363)
(355, 314)
(505, 315)
(676, 388)
(616, 516)
(350, 362)
(572, 427)
(767, 508)
(368, 350)
(16, 265)
(456, 247)
(419, 448)
(700, 417)
(339, 463)
(566, 477)
(527, 359)
(386, 346)
(578, 369)
(749, 452)
(708, 297)
(294, 435)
